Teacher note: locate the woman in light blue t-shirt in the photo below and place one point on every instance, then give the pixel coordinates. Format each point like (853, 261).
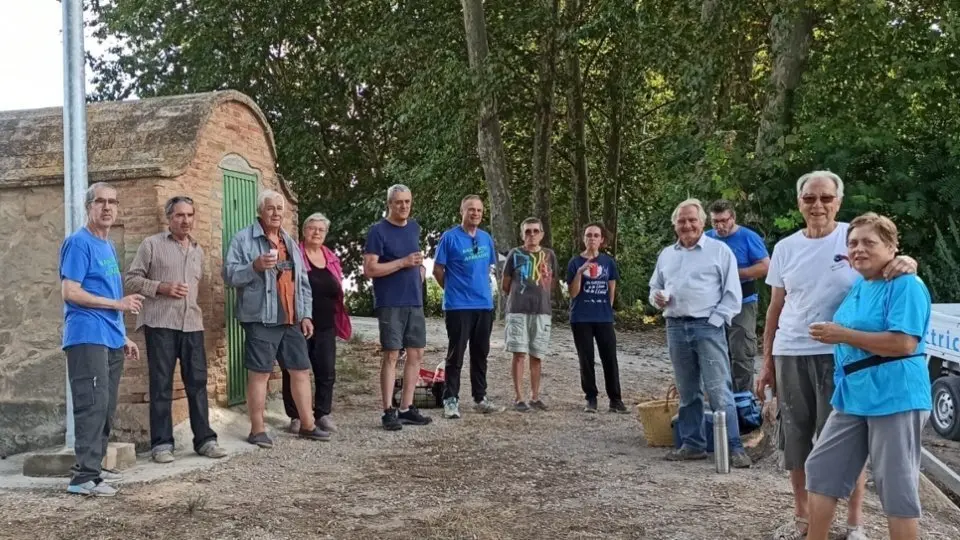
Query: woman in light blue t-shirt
(882, 388)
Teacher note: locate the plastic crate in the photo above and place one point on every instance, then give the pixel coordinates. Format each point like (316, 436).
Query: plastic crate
(426, 395)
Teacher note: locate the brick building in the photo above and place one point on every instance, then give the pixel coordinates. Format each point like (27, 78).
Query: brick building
(215, 147)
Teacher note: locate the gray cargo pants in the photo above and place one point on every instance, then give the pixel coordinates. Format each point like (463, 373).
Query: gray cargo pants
(742, 342)
(94, 372)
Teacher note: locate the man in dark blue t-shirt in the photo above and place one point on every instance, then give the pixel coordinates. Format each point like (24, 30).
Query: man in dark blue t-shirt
(462, 268)
(393, 260)
(94, 337)
(752, 263)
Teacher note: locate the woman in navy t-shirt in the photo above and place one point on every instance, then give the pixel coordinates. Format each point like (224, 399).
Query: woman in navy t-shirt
(592, 277)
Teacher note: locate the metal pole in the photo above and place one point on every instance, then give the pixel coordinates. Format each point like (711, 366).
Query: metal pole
(74, 141)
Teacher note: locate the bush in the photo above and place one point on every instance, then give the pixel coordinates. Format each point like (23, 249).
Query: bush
(942, 273)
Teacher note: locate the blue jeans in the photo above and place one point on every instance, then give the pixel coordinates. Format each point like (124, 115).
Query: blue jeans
(698, 351)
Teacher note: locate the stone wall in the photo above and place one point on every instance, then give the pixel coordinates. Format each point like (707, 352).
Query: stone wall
(32, 365)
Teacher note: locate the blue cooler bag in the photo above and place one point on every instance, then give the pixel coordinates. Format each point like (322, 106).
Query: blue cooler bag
(749, 411)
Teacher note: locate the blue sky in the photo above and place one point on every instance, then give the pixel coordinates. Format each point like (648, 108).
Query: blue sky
(31, 54)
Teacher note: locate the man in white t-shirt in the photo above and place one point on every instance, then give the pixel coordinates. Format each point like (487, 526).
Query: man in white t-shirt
(809, 277)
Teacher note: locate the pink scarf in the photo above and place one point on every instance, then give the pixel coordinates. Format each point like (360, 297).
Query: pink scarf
(341, 319)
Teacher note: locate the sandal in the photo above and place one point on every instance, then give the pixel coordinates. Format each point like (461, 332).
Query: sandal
(792, 530)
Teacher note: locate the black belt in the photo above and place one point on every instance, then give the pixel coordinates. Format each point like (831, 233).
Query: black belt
(872, 361)
(748, 288)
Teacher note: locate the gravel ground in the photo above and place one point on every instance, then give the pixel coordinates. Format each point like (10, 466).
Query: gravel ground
(554, 474)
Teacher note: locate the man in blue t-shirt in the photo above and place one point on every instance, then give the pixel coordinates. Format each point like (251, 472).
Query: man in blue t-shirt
(393, 260)
(462, 268)
(94, 337)
(752, 263)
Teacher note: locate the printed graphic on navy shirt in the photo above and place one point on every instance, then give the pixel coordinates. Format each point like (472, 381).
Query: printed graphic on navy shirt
(592, 304)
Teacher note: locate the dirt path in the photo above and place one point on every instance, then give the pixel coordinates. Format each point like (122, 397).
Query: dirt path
(558, 474)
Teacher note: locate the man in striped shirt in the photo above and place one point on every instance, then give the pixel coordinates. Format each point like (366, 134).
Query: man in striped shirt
(167, 271)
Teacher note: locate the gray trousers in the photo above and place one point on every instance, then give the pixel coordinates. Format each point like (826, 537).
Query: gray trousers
(742, 342)
(94, 372)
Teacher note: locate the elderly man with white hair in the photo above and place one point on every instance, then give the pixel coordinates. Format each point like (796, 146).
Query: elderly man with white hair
(810, 275)
(274, 305)
(696, 285)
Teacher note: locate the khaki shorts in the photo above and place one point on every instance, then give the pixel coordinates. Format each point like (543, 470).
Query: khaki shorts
(528, 334)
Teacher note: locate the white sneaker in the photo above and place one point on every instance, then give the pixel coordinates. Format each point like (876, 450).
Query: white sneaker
(487, 407)
(110, 476)
(92, 489)
(451, 408)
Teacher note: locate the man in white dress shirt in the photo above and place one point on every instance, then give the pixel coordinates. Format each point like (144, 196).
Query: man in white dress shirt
(696, 285)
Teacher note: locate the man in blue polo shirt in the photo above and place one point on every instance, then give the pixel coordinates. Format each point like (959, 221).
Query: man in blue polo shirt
(462, 268)
(752, 263)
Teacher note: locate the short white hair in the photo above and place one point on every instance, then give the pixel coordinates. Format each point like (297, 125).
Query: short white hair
(393, 190)
(267, 195)
(689, 202)
(802, 181)
(317, 216)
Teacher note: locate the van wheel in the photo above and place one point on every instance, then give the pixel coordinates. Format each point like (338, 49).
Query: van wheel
(946, 407)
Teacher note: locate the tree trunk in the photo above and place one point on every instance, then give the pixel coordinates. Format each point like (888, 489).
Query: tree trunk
(710, 67)
(791, 35)
(489, 140)
(543, 134)
(611, 184)
(576, 125)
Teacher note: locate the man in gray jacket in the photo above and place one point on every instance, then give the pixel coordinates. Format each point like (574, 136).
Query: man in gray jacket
(274, 305)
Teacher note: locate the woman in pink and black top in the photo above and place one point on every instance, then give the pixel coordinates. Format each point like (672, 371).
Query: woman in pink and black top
(330, 321)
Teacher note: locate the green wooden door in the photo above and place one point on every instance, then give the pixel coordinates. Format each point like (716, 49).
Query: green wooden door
(239, 211)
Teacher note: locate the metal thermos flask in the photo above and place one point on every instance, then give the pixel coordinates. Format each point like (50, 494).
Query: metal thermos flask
(721, 450)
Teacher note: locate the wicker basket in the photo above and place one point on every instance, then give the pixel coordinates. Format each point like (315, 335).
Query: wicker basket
(655, 417)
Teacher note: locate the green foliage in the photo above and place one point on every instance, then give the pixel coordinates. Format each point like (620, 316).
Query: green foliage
(942, 275)
(362, 94)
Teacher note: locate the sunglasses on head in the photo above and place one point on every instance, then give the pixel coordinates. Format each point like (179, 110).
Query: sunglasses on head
(812, 199)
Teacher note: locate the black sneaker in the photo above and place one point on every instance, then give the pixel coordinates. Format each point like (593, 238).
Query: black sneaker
(390, 421)
(591, 406)
(315, 434)
(619, 407)
(413, 417)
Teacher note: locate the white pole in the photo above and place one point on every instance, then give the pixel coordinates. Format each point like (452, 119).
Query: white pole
(74, 141)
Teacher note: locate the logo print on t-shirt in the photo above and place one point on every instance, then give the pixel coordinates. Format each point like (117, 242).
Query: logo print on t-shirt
(533, 268)
(840, 259)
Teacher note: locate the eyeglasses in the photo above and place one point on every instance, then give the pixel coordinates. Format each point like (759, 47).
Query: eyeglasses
(531, 232)
(100, 201)
(810, 200)
(593, 235)
(476, 245)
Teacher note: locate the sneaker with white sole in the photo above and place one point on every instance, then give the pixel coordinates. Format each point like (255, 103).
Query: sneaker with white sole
(162, 456)
(212, 450)
(451, 408)
(487, 407)
(92, 489)
(110, 476)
